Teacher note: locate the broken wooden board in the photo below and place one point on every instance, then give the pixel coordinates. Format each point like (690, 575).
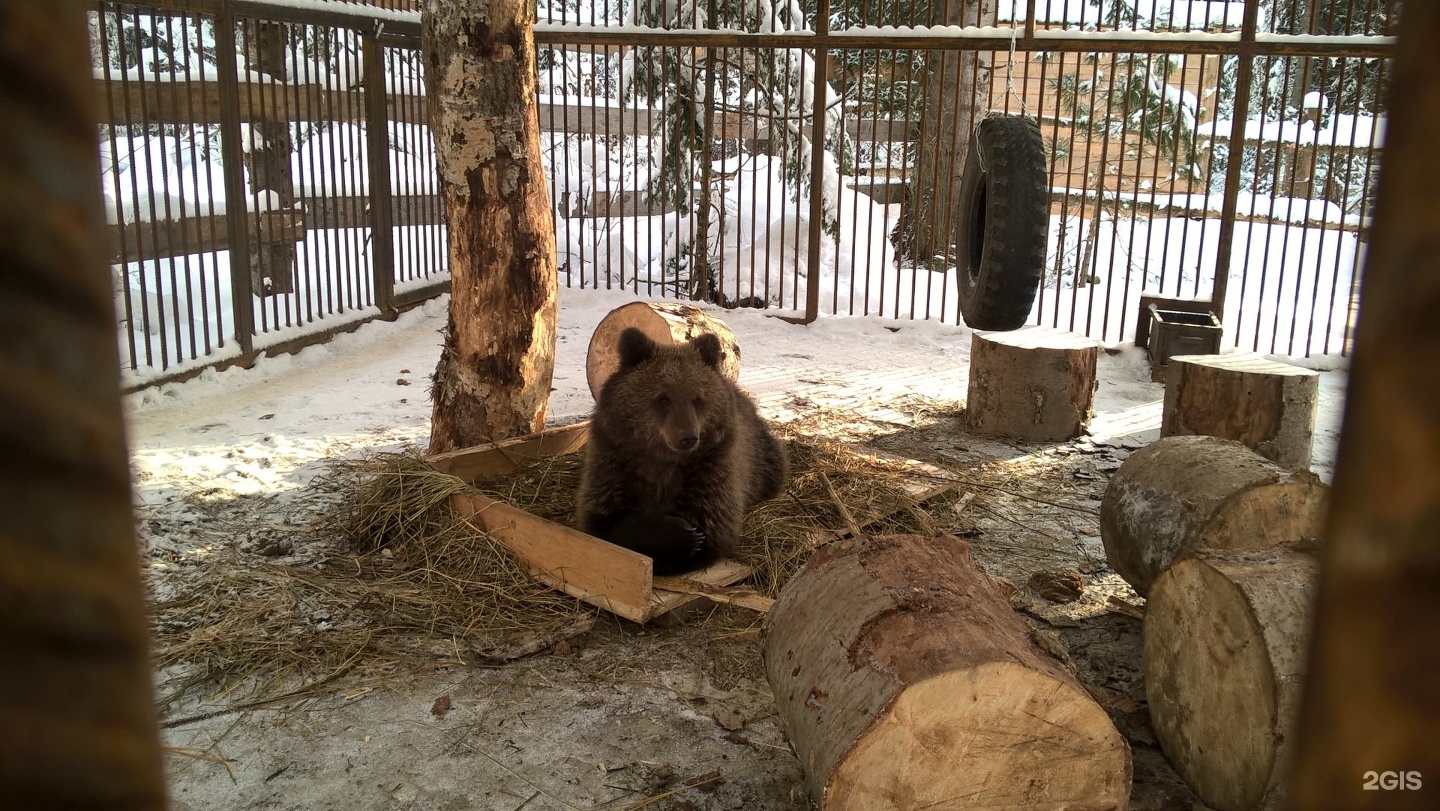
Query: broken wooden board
(488, 461)
(611, 577)
(585, 567)
(590, 569)
(743, 596)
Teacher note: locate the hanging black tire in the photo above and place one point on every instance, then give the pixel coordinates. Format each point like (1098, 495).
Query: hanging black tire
(1002, 223)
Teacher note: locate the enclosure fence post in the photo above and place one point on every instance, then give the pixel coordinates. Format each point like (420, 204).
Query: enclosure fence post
(377, 155)
(233, 161)
(817, 161)
(1229, 208)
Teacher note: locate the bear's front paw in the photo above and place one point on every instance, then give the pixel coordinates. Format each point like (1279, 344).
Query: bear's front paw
(697, 535)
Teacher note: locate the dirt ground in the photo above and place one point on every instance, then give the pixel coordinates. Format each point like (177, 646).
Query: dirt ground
(677, 717)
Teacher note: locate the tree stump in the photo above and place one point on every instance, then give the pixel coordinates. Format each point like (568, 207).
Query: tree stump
(1184, 493)
(905, 680)
(1035, 384)
(1225, 639)
(1267, 406)
(666, 324)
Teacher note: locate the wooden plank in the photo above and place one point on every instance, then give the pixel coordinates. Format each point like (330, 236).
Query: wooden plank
(135, 101)
(625, 204)
(579, 118)
(583, 566)
(138, 241)
(686, 588)
(882, 130)
(354, 16)
(722, 574)
(882, 190)
(489, 461)
(587, 568)
(152, 101)
(353, 211)
(590, 569)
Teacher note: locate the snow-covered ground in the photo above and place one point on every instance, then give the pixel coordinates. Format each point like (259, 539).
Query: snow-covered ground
(549, 720)
(261, 430)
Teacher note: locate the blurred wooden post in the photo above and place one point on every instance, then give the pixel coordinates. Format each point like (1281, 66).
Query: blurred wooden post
(232, 161)
(77, 718)
(1372, 701)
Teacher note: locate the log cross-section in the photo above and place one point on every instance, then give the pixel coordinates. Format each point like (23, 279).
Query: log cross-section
(905, 680)
(667, 324)
(1183, 493)
(1265, 405)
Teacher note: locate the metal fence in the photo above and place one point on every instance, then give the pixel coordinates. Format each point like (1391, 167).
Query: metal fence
(260, 193)
(1183, 136)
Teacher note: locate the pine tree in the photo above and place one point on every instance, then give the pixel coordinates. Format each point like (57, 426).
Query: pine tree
(691, 85)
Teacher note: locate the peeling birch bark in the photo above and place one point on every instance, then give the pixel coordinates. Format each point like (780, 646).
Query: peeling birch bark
(493, 379)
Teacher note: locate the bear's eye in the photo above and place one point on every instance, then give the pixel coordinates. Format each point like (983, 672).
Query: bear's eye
(699, 402)
(663, 400)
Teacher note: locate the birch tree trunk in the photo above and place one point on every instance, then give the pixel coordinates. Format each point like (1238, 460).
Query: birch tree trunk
(493, 379)
(77, 718)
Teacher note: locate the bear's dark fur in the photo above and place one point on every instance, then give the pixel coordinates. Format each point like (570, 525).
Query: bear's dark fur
(676, 455)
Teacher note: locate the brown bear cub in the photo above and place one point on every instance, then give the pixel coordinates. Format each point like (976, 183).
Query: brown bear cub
(676, 455)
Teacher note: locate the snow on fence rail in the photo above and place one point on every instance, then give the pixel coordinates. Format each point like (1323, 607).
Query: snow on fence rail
(1156, 181)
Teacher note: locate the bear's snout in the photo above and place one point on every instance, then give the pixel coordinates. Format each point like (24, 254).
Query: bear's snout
(680, 439)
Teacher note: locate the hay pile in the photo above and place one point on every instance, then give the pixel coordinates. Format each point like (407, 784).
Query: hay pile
(779, 534)
(407, 581)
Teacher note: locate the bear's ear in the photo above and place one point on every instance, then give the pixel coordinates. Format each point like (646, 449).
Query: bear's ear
(635, 348)
(709, 348)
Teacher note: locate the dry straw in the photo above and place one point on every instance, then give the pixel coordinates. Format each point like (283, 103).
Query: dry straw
(406, 581)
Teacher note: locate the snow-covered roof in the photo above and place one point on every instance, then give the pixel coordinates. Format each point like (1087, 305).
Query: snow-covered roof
(1343, 130)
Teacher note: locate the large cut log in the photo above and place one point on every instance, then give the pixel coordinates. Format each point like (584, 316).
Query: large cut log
(1267, 406)
(666, 324)
(905, 680)
(1225, 638)
(1182, 493)
(1036, 384)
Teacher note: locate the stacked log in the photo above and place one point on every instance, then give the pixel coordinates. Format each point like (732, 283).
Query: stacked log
(1183, 493)
(1267, 406)
(1225, 640)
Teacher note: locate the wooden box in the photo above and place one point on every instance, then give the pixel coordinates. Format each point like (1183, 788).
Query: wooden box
(588, 568)
(1177, 332)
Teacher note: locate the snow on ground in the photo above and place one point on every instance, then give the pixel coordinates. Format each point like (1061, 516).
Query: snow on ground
(260, 430)
(539, 732)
